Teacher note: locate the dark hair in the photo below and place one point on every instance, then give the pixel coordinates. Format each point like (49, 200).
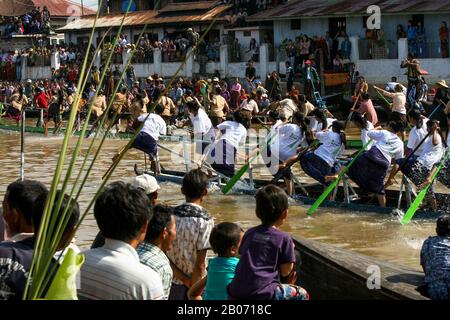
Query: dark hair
(288, 63)
(73, 211)
(123, 90)
(322, 116)
(195, 183)
(338, 127)
(397, 126)
(301, 120)
(271, 201)
(193, 105)
(448, 115)
(274, 114)
(416, 115)
(162, 216)
(360, 120)
(121, 211)
(224, 236)
(240, 117)
(159, 108)
(443, 226)
(365, 96)
(22, 195)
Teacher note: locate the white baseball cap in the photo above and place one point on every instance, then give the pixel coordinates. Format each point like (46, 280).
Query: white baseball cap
(145, 182)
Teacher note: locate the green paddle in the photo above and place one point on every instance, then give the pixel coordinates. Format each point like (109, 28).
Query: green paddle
(418, 201)
(230, 184)
(333, 185)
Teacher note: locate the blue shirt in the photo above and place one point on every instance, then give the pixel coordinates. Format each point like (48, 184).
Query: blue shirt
(220, 273)
(435, 259)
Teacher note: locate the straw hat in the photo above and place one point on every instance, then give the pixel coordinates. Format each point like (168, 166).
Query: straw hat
(442, 83)
(150, 78)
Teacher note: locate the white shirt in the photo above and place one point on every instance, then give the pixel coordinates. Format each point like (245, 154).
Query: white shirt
(290, 136)
(331, 146)
(202, 125)
(390, 86)
(416, 136)
(288, 107)
(154, 125)
(431, 154)
(388, 143)
(113, 272)
(364, 137)
(234, 132)
(251, 106)
(316, 126)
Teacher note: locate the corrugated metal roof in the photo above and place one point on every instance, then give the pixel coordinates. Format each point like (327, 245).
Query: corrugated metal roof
(186, 6)
(317, 8)
(57, 8)
(150, 17)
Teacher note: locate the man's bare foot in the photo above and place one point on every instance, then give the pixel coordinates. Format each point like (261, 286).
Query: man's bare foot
(331, 178)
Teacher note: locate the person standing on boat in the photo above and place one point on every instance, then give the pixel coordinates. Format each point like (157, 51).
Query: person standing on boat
(366, 107)
(284, 147)
(398, 104)
(420, 168)
(417, 133)
(435, 260)
(225, 149)
(311, 80)
(370, 168)
(218, 107)
(321, 162)
(413, 72)
(203, 129)
(147, 139)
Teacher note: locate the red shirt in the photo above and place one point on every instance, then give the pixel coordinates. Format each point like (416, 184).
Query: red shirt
(41, 101)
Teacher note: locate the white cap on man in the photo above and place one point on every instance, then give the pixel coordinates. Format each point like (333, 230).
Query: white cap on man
(145, 182)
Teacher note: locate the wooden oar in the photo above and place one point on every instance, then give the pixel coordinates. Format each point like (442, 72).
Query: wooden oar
(22, 147)
(418, 201)
(351, 111)
(230, 184)
(330, 188)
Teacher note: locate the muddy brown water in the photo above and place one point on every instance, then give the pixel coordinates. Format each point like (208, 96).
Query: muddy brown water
(379, 236)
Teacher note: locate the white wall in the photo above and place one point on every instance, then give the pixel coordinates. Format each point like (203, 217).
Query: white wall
(244, 41)
(38, 72)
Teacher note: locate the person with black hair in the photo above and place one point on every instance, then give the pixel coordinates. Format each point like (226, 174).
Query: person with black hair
(304, 105)
(20, 197)
(119, 103)
(161, 233)
(224, 151)
(266, 269)
(361, 122)
(55, 109)
(225, 240)
(366, 108)
(194, 225)
(204, 132)
(434, 259)
(114, 272)
(418, 169)
(370, 168)
(18, 101)
(321, 162)
(147, 138)
(417, 133)
(319, 120)
(283, 147)
(16, 257)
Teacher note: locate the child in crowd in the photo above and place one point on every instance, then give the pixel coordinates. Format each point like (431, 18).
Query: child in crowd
(266, 267)
(225, 240)
(435, 260)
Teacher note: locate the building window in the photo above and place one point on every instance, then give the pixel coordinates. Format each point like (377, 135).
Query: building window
(418, 18)
(247, 33)
(296, 24)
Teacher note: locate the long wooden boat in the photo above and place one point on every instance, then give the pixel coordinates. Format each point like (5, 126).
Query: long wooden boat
(331, 273)
(364, 204)
(353, 142)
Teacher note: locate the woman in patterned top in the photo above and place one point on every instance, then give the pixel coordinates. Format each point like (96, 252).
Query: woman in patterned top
(435, 260)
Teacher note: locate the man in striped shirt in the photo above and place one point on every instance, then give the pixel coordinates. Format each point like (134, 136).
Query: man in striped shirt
(113, 272)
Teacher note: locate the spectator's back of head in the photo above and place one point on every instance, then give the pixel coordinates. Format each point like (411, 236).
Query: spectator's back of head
(73, 212)
(19, 202)
(122, 211)
(443, 226)
(195, 184)
(225, 238)
(271, 203)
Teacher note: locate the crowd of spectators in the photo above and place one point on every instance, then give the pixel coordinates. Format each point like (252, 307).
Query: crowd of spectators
(35, 21)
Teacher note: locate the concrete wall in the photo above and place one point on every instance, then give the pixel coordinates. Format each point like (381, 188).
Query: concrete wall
(37, 73)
